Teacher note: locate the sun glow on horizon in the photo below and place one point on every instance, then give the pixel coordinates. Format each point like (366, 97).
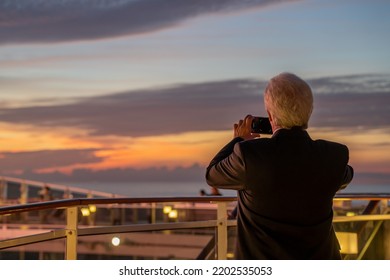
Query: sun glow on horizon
(369, 152)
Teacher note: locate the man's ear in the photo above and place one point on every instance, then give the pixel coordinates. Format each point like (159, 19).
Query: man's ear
(269, 116)
(271, 121)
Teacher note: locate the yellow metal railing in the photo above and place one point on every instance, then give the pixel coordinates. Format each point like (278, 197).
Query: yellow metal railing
(72, 230)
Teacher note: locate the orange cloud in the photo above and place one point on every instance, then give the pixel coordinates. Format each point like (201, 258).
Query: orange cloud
(369, 151)
(166, 150)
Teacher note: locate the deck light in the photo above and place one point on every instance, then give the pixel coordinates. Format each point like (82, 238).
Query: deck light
(92, 208)
(85, 212)
(167, 209)
(173, 214)
(115, 241)
(230, 255)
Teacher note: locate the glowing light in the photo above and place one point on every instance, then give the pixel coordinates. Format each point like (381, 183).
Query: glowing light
(92, 208)
(230, 255)
(173, 214)
(85, 212)
(167, 209)
(116, 241)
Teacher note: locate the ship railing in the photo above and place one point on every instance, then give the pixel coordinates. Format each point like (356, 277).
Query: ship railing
(362, 225)
(360, 221)
(73, 229)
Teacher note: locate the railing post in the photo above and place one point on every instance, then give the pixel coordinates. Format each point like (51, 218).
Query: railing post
(71, 233)
(153, 213)
(3, 190)
(222, 238)
(384, 206)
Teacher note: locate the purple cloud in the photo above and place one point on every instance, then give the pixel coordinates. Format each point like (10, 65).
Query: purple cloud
(362, 101)
(205, 106)
(152, 174)
(10, 161)
(54, 21)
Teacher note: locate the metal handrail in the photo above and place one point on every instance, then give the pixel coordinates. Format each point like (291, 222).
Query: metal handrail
(63, 203)
(362, 196)
(361, 218)
(56, 186)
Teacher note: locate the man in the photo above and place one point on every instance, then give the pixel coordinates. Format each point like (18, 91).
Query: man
(285, 183)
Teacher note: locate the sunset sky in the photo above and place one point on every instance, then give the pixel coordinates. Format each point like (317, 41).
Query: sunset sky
(126, 90)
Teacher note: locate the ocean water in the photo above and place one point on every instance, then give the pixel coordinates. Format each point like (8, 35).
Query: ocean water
(175, 189)
(367, 189)
(151, 189)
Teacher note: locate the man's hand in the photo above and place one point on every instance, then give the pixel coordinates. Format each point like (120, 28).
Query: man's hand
(244, 127)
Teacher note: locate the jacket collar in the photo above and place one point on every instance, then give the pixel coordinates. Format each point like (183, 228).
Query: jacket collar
(295, 131)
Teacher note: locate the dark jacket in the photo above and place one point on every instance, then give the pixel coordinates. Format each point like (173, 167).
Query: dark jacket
(286, 186)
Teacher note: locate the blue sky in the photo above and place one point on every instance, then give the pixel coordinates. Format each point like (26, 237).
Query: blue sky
(310, 38)
(91, 78)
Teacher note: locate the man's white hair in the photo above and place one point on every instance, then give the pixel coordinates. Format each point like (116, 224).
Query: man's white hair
(289, 100)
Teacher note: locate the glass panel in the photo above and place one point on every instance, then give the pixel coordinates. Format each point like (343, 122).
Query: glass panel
(48, 250)
(171, 244)
(13, 190)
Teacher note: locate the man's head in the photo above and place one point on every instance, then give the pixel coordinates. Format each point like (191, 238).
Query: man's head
(289, 101)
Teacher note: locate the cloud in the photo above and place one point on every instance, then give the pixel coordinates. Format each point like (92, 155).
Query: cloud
(369, 83)
(22, 161)
(360, 101)
(194, 173)
(208, 106)
(363, 111)
(183, 108)
(54, 21)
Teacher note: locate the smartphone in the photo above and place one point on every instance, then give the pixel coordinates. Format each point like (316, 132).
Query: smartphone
(261, 125)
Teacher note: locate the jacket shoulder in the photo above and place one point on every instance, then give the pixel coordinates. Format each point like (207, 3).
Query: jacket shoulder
(331, 145)
(255, 142)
